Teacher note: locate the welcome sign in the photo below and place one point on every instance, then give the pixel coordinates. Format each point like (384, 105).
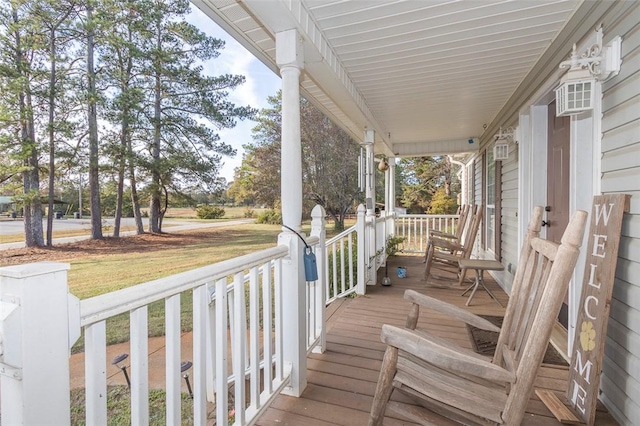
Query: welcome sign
(578, 405)
(595, 302)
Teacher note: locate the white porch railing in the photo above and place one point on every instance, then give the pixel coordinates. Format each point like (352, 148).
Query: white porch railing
(220, 294)
(240, 311)
(341, 264)
(415, 228)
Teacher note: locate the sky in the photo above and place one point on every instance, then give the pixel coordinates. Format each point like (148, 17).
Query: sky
(260, 83)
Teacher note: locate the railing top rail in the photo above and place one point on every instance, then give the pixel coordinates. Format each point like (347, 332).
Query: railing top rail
(444, 216)
(341, 235)
(101, 307)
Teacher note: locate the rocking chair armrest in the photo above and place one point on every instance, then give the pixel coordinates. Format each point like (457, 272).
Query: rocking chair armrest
(440, 234)
(443, 357)
(449, 309)
(445, 244)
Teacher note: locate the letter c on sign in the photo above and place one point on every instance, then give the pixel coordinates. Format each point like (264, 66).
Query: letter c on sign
(586, 306)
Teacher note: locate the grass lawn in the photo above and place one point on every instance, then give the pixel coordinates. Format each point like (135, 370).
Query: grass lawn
(101, 273)
(96, 274)
(230, 212)
(119, 407)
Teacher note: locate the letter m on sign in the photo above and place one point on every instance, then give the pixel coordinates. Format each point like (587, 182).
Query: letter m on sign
(595, 302)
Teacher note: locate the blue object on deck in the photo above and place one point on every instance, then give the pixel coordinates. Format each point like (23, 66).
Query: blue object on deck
(402, 272)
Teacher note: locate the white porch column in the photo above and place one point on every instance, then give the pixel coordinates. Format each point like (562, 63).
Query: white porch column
(391, 206)
(387, 190)
(370, 183)
(35, 325)
(371, 202)
(290, 59)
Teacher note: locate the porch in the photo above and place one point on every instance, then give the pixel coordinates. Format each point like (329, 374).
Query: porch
(324, 346)
(342, 380)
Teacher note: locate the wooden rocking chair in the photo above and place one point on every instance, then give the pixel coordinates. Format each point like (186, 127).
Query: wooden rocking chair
(463, 214)
(445, 253)
(456, 384)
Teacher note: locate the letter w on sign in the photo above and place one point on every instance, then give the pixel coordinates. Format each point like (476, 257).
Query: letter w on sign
(581, 396)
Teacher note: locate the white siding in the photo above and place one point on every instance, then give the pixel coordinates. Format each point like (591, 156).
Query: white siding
(509, 218)
(478, 182)
(478, 179)
(621, 173)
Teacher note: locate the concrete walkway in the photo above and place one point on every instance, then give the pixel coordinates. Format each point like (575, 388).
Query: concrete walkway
(156, 360)
(168, 226)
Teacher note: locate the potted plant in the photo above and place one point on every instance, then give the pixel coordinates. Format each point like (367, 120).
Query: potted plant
(391, 248)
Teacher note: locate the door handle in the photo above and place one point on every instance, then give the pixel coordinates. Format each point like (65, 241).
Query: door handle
(547, 208)
(546, 223)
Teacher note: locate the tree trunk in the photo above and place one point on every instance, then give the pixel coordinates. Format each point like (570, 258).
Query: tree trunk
(52, 105)
(135, 199)
(122, 151)
(154, 207)
(163, 211)
(447, 177)
(94, 183)
(32, 205)
(120, 193)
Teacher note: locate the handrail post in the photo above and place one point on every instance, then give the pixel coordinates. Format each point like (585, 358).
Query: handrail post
(318, 229)
(35, 330)
(294, 315)
(361, 230)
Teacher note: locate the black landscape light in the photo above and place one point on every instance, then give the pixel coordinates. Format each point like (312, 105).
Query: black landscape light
(117, 360)
(184, 367)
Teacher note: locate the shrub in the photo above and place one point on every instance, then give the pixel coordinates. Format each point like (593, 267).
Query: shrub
(249, 212)
(209, 212)
(271, 217)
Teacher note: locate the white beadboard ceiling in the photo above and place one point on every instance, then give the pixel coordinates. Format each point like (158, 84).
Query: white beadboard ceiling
(426, 75)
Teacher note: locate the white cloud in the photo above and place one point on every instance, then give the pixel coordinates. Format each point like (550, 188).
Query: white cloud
(260, 83)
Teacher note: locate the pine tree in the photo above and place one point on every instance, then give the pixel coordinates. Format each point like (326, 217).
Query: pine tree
(184, 149)
(19, 41)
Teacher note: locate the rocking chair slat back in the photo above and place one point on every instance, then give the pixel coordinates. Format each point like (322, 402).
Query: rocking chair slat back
(472, 231)
(554, 275)
(462, 220)
(521, 286)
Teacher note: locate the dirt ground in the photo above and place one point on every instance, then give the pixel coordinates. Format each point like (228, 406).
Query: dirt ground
(129, 244)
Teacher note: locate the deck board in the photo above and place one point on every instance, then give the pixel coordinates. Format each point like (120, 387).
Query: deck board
(342, 380)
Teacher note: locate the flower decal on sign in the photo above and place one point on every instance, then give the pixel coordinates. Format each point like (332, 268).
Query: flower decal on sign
(587, 336)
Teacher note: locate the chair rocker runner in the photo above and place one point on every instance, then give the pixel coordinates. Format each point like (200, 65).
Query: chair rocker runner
(444, 253)
(457, 385)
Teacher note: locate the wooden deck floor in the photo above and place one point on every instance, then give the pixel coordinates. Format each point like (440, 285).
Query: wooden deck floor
(342, 381)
